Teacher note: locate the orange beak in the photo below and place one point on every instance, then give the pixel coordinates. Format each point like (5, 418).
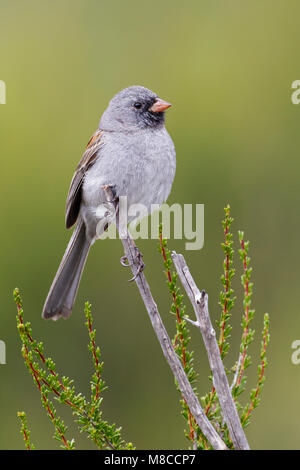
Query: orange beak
(159, 106)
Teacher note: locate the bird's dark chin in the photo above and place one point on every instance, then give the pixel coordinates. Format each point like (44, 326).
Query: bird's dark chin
(150, 119)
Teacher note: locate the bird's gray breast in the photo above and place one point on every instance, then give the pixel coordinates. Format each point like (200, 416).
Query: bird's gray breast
(140, 165)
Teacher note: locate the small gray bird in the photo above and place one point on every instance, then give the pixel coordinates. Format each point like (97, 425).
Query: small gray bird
(132, 151)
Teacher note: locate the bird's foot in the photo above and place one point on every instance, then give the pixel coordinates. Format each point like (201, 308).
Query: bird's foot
(124, 262)
(110, 193)
(141, 265)
(138, 258)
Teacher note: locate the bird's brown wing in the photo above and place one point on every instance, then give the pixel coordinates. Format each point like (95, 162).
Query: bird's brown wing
(74, 194)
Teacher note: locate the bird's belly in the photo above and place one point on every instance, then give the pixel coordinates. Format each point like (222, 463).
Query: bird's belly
(142, 179)
(147, 183)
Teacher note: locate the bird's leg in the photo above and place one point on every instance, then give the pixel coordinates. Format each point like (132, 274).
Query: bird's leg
(110, 194)
(137, 258)
(112, 200)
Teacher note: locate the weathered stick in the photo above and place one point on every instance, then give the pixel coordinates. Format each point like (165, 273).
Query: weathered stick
(199, 301)
(188, 394)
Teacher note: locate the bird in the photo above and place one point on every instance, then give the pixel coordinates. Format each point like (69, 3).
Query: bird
(130, 151)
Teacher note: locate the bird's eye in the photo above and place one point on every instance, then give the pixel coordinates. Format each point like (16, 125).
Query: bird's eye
(137, 105)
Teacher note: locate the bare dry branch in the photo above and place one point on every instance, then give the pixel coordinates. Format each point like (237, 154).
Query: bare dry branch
(131, 253)
(199, 301)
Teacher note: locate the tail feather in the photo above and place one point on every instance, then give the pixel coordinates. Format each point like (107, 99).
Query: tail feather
(61, 297)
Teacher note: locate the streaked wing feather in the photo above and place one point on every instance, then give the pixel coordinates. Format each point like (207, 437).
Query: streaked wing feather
(74, 194)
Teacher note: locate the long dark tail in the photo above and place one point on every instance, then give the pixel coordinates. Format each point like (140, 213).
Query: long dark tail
(61, 297)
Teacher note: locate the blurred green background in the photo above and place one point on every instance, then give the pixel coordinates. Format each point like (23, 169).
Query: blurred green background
(227, 67)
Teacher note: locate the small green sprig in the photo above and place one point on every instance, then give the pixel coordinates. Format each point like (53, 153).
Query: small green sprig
(100, 431)
(87, 415)
(182, 338)
(97, 384)
(256, 392)
(226, 302)
(247, 332)
(24, 430)
(226, 295)
(31, 350)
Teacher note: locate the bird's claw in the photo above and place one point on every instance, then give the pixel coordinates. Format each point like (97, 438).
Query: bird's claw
(124, 262)
(141, 265)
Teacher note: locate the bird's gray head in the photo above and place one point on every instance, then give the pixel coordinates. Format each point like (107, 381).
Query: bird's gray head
(132, 109)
